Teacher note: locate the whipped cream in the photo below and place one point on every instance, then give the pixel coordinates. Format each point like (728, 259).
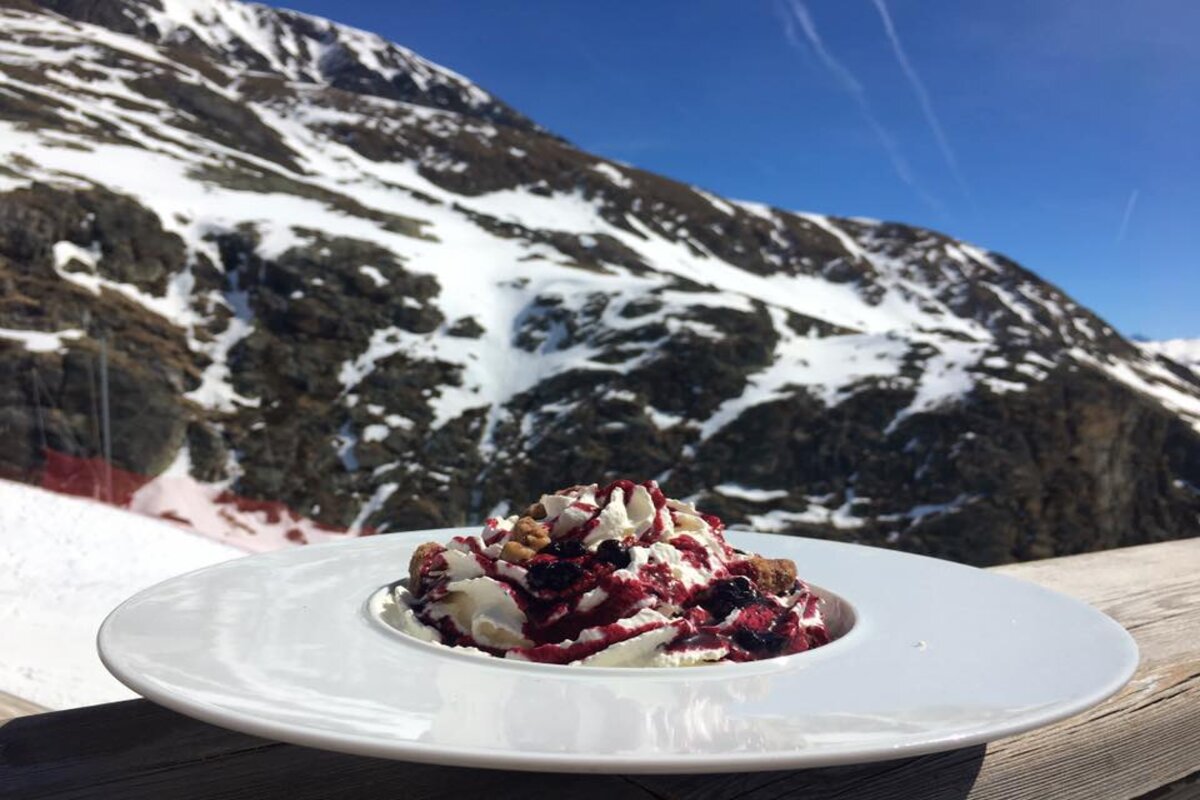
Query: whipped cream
(609, 576)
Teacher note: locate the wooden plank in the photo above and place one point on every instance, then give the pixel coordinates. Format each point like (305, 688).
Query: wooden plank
(1147, 737)
(1186, 789)
(1151, 585)
(12, 707)
(1145, 740)
(136, 750)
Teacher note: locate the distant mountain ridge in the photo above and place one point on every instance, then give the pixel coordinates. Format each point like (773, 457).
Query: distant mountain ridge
(330, 273)
(258, 38)
(1181, 351)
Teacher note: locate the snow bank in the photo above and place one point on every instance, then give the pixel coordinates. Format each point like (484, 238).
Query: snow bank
(67, 562)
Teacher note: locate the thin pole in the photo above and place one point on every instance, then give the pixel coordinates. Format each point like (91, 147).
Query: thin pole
(94, 421)
(37, 404)
(104, 417)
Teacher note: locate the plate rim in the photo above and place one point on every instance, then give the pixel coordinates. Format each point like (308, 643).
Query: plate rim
(677, 763)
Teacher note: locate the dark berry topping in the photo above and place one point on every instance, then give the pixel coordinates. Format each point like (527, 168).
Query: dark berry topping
(759, 641)
(564, 548)
(725, 596)
(554, 576)
(613, 552)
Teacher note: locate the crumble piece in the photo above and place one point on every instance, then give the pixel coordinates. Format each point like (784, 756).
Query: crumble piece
(516, 553)
(419, 557)
(530, 533)
(773, 575)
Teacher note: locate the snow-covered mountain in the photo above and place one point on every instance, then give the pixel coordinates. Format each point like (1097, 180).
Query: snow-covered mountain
(325, 271)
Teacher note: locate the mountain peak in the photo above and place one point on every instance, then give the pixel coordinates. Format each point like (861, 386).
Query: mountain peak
(298, 47)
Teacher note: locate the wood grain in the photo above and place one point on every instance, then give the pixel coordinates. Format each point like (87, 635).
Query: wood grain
(12, 707)
(1145, 742)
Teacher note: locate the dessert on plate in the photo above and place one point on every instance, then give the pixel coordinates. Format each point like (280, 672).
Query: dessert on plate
(618, 575)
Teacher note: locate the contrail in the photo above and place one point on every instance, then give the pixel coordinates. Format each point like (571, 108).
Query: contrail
(855, 89)
(789, 27)
(1133, 196)
(918, 87)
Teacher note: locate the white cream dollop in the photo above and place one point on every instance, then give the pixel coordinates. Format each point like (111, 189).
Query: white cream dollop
(613, 522)
(485, 609)
(662, 553)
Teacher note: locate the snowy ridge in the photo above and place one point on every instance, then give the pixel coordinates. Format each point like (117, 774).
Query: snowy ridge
(301, 47)
(1183, 351)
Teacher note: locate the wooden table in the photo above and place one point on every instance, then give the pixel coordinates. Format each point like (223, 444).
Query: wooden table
(1145, 742)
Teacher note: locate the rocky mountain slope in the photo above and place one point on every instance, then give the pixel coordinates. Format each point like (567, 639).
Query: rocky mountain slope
(322, 270)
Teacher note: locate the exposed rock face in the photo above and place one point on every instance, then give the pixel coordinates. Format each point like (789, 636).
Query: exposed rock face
(322, 270)
(1075, 464)
(52, 399)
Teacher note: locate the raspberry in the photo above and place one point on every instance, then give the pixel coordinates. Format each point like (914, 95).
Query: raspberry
(757, 616)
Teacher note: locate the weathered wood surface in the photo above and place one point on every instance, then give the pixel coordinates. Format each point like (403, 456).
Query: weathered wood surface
(1186, 789)
(11, 707)
(1145, 742)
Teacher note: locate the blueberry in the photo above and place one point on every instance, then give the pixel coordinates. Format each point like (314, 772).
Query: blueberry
(564, 548)
(759, 641)
(613, 552)
(724, 596)
(554, 576)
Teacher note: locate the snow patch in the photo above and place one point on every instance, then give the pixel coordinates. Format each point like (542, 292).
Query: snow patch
(663, 420)
(65, 252)
(778, 520)
(826, 367)
(40, 341)
(378, 498)
(748, 493)
(1184, 351)
(716, 202)
(375, 433)
(375, 275)
(945, 378)
(67, 562)
(614, 175)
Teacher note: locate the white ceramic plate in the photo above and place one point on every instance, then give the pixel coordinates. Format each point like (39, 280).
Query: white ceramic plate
(941, 656)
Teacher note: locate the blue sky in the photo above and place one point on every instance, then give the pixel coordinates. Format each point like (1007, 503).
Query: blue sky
(1064, 133)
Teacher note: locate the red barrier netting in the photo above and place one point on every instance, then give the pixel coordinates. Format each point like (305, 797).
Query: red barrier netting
(96, 479)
